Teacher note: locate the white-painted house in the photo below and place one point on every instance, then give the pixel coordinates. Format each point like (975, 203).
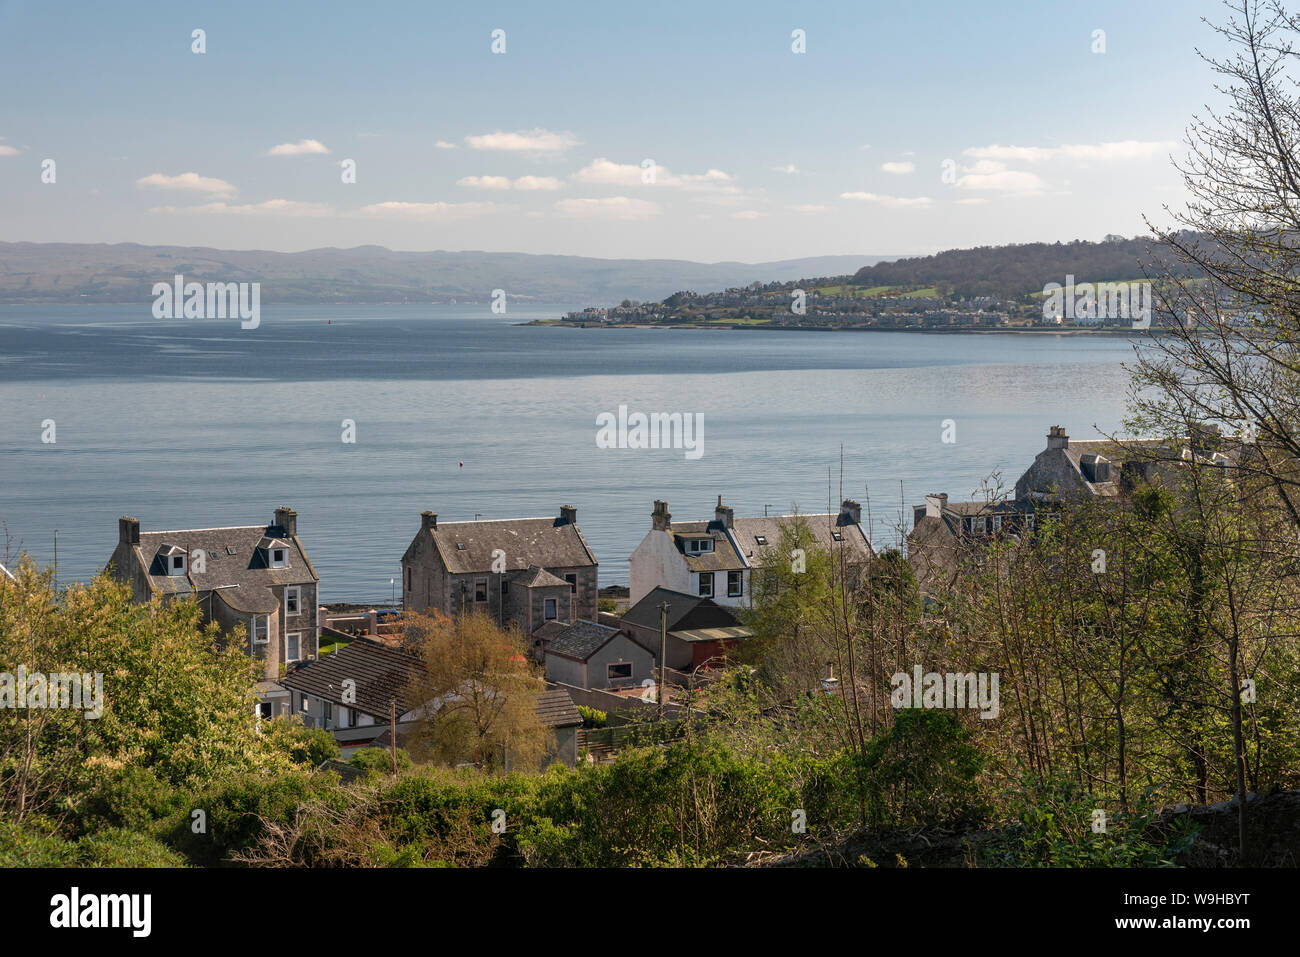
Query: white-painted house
(716, 559)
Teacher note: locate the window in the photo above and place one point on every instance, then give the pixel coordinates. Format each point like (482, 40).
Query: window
(706, 584)
(480, 589)
(178, 565)
(292, 599)
(997, 523)
(761, 539)
(697, 546)
(550, 609)
(505, 586)
(735, 584)
(621, 671)
(304, 706)
(347, 717)
(279, 558)
(980, 524)
(259, 628)
(1029, 521)
(572, 579)
(293, 646)
(327, 709)
(265, 709)
(835, 534)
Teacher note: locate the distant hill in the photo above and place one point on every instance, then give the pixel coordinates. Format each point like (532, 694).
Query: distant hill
(126, 272)
(1016, 270)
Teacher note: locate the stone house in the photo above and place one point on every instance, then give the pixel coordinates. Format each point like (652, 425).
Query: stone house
(717, 559)
(595, 656)
(255, 581)
(523, 571)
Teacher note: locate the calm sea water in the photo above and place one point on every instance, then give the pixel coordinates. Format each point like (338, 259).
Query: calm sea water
(197, 423)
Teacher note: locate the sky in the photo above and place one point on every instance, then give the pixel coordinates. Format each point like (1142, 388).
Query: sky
(666, 130)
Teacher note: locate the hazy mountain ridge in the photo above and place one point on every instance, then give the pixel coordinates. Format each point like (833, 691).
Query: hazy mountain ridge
(126, 272)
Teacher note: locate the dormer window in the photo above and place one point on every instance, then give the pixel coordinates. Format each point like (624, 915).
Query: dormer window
(279, 557)
(696, 546)
(761, 539)
(173, 559)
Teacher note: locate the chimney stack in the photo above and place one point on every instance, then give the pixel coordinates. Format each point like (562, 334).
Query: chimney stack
(287, 519)
(852, 511)
(128, 530)
(429, 521)
(660, 519)
(723, 514)
(1058, 438)
(568, 515)
(935, 503)
(372, 622)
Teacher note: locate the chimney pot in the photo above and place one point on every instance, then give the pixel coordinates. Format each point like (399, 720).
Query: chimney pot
(128, 530)
(428, 520)
(1058, 438)
(852, 511)
(724, 514)
(287, 519)
(568, 515)
(660, 519)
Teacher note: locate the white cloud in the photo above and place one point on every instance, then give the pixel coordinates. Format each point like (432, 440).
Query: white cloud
(276, 207)
(901, 168)
(484, 182)
(787, 168)
(1116, 151)
(994, 175)
(604, 172)
(809, 208)
(187, 181)
(609, 207)
(972, 201)
(537, 182)
(444, 145)
(892, 202)
(301, 148)
(429, 211)
(526, 183)
(526, 141)
(7, 150)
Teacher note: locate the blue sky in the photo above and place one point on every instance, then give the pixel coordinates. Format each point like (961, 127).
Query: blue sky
(760, 153)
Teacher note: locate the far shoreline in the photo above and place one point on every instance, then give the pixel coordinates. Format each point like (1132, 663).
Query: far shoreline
(752, 327)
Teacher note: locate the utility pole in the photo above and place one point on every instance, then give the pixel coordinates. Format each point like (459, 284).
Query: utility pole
(56, 561)
(392, 732)
(663, 655)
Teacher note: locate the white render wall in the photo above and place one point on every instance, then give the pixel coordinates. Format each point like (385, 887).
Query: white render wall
(656, 563)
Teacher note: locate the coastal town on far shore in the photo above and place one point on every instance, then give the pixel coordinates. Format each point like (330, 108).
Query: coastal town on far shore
(833, 305)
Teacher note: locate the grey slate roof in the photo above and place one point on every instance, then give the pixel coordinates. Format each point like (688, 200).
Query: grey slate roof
(546, 542)
(381, 674)
(685, 612)
(581, 640)
(537, 577)
(823, 528)
(556, 709)
(723, 556)
(232, 563)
